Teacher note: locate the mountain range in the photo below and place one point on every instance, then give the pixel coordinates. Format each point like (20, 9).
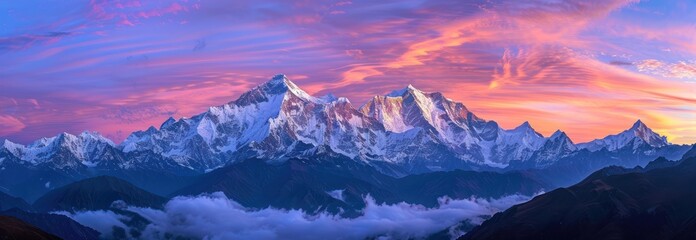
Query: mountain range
(335, 183)
(405, 132)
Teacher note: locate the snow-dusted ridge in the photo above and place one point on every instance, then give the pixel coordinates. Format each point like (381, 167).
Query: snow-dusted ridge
(417, 130)
(81, 149)
(639, 134)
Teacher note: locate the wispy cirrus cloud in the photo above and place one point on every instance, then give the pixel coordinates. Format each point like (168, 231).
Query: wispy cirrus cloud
(24, 41)
(681, 69)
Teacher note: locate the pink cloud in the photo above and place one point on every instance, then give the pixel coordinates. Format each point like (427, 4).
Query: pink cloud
(174, 8)
(10, 125)
(355, 53)
(343, 3)
(681, 69)
(128, 13)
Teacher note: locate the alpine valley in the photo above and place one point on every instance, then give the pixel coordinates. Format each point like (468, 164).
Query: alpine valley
(280, 147)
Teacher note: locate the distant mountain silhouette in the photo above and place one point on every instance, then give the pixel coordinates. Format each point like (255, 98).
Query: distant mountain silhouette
(96, 193)
(9, 202)
(308, 184)
(655, 203)
(59, 225)
(12, 228)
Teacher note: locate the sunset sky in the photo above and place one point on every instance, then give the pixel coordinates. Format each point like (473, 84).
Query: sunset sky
(120, 66)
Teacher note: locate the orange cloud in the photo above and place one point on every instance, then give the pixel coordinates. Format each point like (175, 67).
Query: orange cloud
(502, 24)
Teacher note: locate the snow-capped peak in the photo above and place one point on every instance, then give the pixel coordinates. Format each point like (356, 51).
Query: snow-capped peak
(525, 127)
(526, 135)
(329, 98)
(91, 136)
(282, 83)
(332, 99)
(398, 93)
(635, 136)
(168, 123)
(555, 147)
(440, 119)
(6, 143)
(638, 124)
(83, 147)
(404, 109)
(558, 134)
(646, 134)
(517, 144)
(560, 137)
(278, 88)
(13, 148)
